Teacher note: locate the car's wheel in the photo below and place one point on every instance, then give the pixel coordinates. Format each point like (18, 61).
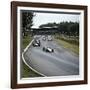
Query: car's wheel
(33, 44)
(39, 45)
(52, 50)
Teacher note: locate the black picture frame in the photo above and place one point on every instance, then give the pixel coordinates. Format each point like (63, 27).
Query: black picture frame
(14, 5)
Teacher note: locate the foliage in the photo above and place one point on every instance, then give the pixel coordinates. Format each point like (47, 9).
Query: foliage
(68, 28)
(27, 21)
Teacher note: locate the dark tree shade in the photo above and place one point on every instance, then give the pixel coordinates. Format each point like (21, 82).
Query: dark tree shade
(27, 21)
(69, 28)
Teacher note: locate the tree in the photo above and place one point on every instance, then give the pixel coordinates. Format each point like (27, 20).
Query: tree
(63, 27)
(66, 28)
(27, 21)
(70, 28)
(74, 28)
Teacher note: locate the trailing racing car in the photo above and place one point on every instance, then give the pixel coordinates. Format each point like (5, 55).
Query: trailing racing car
(48, 49)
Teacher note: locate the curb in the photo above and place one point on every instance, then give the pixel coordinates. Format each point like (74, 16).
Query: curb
(27, 63)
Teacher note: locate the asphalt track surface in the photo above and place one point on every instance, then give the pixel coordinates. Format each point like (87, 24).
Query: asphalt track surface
(61, 62)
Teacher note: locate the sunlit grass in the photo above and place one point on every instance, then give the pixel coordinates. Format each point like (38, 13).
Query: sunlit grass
(26, 40)
(69, 45)
(26, 71)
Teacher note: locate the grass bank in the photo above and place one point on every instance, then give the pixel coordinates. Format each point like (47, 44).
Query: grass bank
(26, 71)
(25, 41)
(70, 45)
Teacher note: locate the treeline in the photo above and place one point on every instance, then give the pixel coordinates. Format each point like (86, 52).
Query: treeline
(27, 22)
(67, 28)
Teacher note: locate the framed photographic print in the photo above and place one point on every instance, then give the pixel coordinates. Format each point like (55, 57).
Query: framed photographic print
(48, 44)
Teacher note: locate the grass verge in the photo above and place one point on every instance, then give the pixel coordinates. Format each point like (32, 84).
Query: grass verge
(26, 71)
(25, 41)
(70, 46)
